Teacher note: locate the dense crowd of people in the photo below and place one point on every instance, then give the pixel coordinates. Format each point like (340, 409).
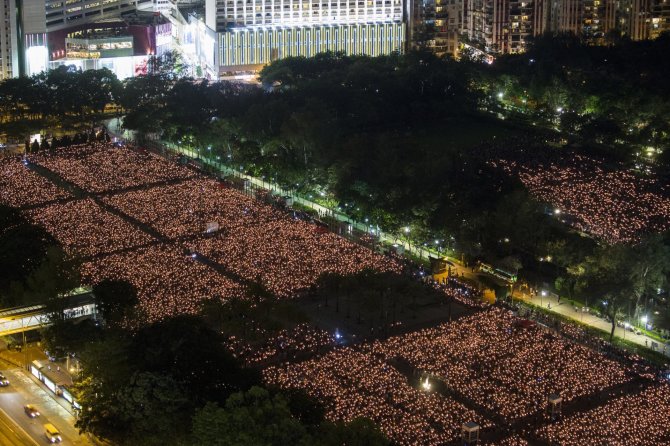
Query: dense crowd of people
(503, 363)
(613, 205)
(353, 383)
(82, 227)
(187, 207)
(21, 187)
(460, 292)
(288, 344)
(288, 256)
(493, 360)
(251, 241)
(168, 282)
(631, 420)
(102, 167)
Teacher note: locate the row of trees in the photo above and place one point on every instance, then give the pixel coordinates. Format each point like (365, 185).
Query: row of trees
(611, 96)
(626, 280)
(67, 98)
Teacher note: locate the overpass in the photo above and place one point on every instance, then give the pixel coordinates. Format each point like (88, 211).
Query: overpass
(21, 319)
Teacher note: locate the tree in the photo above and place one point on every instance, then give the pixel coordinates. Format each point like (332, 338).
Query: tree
(152, 407)
(606, 275)
(252, 418)
(23, 248)
(56, 276)
(649, 269)
(105, 369)
(194, 355)
(328, 285)
(71, 336)
(306, 409)
(359, 432)
(115, 300)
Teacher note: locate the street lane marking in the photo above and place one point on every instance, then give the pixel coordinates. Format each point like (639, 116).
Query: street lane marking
(20, 428)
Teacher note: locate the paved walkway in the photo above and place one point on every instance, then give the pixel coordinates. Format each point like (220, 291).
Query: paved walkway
(567, 310)
(419, 251)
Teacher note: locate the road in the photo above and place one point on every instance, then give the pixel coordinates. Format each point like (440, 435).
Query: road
(569, 311)
(11, 434)
(16, 428)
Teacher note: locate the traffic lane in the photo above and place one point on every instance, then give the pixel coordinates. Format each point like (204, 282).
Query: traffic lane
(13, 435)
(11, 405)
(23, 390)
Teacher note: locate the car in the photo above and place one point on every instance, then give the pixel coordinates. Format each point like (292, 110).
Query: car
(52, 433)
(4, 382)
(31, 411)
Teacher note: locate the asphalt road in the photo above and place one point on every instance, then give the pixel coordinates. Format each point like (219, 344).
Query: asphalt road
(13, 435)
(16, 428)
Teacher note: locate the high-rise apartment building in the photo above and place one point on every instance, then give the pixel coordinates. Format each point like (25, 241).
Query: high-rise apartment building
(506, 26)
(660, 19)
(635, 18)
(487, 24)
(9, 63)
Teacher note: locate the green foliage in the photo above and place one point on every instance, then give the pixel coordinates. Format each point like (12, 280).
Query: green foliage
(70, 336)
(115, 300)
(23, 248)
(260, 418)
(105, 370)
(193, 354)
(252, 418)
(359, 432)
(138, 388)
(151, 404)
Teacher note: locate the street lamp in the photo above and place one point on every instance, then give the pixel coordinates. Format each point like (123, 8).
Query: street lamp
(542, 294)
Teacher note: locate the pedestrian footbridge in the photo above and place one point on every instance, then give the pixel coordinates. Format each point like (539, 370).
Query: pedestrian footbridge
(21, 319)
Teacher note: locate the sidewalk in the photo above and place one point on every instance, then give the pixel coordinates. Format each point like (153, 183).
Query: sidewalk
(57, 372)
(566, 309)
